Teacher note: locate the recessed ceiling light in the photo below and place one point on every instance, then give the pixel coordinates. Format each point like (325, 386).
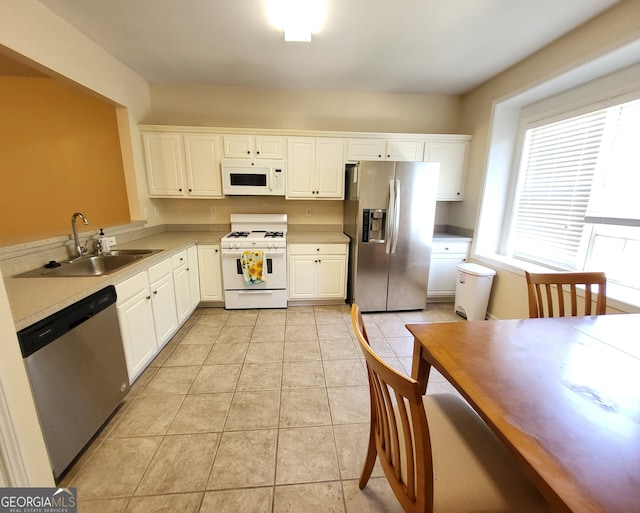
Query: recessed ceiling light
(297, 18)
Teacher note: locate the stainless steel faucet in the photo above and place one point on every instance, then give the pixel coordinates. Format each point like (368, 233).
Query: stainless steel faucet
(79, 250)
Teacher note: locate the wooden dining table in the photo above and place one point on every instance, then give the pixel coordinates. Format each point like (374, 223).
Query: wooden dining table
(563, 394)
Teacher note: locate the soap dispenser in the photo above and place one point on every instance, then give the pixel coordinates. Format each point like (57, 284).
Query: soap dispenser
(102, 245)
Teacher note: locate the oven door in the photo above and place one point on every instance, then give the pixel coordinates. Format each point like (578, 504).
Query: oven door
(275, 265)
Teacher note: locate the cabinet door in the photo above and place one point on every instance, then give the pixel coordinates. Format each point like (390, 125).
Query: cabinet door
(194, 284)
(237, 146)
(302, 276)
(452, 157)
(366, 149)
(301, 169)
(183, 294)
(138, 333)
(165, 169)
(405, 150)
(329, 168)
(203, 166)
(443, 274)
(269, 147)
(210, 274)
(331, 277)
(163, 303)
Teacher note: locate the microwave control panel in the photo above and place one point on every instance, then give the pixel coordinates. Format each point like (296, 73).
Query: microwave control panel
(277, 179)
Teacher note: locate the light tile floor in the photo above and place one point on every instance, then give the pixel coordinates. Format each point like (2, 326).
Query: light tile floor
(250, 411)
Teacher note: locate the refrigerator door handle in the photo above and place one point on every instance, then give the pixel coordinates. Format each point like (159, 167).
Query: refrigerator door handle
(396, 215)
(390, 216)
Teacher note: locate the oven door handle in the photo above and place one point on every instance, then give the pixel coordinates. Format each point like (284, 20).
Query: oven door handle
(267, 253)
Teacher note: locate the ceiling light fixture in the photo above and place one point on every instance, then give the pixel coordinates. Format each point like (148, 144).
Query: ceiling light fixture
(297, 18)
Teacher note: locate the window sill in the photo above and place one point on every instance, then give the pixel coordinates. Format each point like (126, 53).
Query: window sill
(625, 299)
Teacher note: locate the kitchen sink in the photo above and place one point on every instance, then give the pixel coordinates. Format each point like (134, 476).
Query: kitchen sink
(92, 265)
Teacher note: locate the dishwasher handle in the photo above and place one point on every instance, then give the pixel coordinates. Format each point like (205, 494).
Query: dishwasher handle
(42, 333)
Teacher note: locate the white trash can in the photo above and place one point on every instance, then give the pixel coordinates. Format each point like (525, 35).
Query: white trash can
(472, 291)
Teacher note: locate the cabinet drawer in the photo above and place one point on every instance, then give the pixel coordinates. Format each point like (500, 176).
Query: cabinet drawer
(131, 286)
(160, 270)
(453, 246)
(179, 259)
(317, 249)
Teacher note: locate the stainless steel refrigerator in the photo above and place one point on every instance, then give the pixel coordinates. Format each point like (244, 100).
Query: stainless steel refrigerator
(389, 215)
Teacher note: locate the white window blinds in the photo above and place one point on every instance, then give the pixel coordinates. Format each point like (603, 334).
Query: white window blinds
(558, 165)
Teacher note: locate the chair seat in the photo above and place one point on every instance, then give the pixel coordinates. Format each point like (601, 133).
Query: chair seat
(473, 471)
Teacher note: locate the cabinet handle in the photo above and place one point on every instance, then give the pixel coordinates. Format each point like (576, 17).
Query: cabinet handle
(248, 152)
(148, 298)
(155, 291)
(257, 153)
(216, 250)
(379, 156)
(190, 190)
(180, 190)
(187, 268)
(388, 156)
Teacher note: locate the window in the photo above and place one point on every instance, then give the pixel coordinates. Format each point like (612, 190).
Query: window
(577, 201)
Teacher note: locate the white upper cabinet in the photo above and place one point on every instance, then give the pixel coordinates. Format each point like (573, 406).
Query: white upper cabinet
(452, 156)
(203, 166)
(186, 163)
(383, 149)
(182, 165)
(254, 147)
(165, 164)
(366, 149)
(315, 168)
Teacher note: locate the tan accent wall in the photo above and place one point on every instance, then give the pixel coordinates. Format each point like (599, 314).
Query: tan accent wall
(59, 154)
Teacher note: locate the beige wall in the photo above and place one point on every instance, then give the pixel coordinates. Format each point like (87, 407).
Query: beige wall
(240, 107)
(613, 29)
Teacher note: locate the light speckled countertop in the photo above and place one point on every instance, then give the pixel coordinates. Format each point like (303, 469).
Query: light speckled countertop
(33, 299)
(449, 236)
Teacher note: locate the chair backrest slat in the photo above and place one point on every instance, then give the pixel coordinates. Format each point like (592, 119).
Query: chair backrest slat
(401, 431)
(541, 287)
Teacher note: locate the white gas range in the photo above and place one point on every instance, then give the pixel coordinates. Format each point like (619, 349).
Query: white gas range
(263, 236)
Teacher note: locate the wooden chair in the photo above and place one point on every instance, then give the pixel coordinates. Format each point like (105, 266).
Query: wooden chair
(541, 286)
(436, 452)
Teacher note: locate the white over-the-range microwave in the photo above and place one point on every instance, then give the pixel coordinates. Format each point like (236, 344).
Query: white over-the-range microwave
(257, 177)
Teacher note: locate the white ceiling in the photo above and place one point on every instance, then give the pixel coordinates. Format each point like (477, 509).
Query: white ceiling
(403, 46)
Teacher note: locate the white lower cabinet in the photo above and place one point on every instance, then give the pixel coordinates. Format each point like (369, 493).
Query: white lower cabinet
(194, 277)
(185, 282)
(163, 301)
(153, 304)
(135, 316)
(317, 271)
(210, 272)
(182, 285)
(443, 272)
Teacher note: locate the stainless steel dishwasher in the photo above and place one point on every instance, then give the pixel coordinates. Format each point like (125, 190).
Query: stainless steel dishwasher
(76, 366)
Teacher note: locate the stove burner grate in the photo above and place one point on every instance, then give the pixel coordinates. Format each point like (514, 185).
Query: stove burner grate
(238, 235)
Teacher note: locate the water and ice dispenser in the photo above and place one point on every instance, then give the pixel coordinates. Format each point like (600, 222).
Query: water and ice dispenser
(374, 225)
